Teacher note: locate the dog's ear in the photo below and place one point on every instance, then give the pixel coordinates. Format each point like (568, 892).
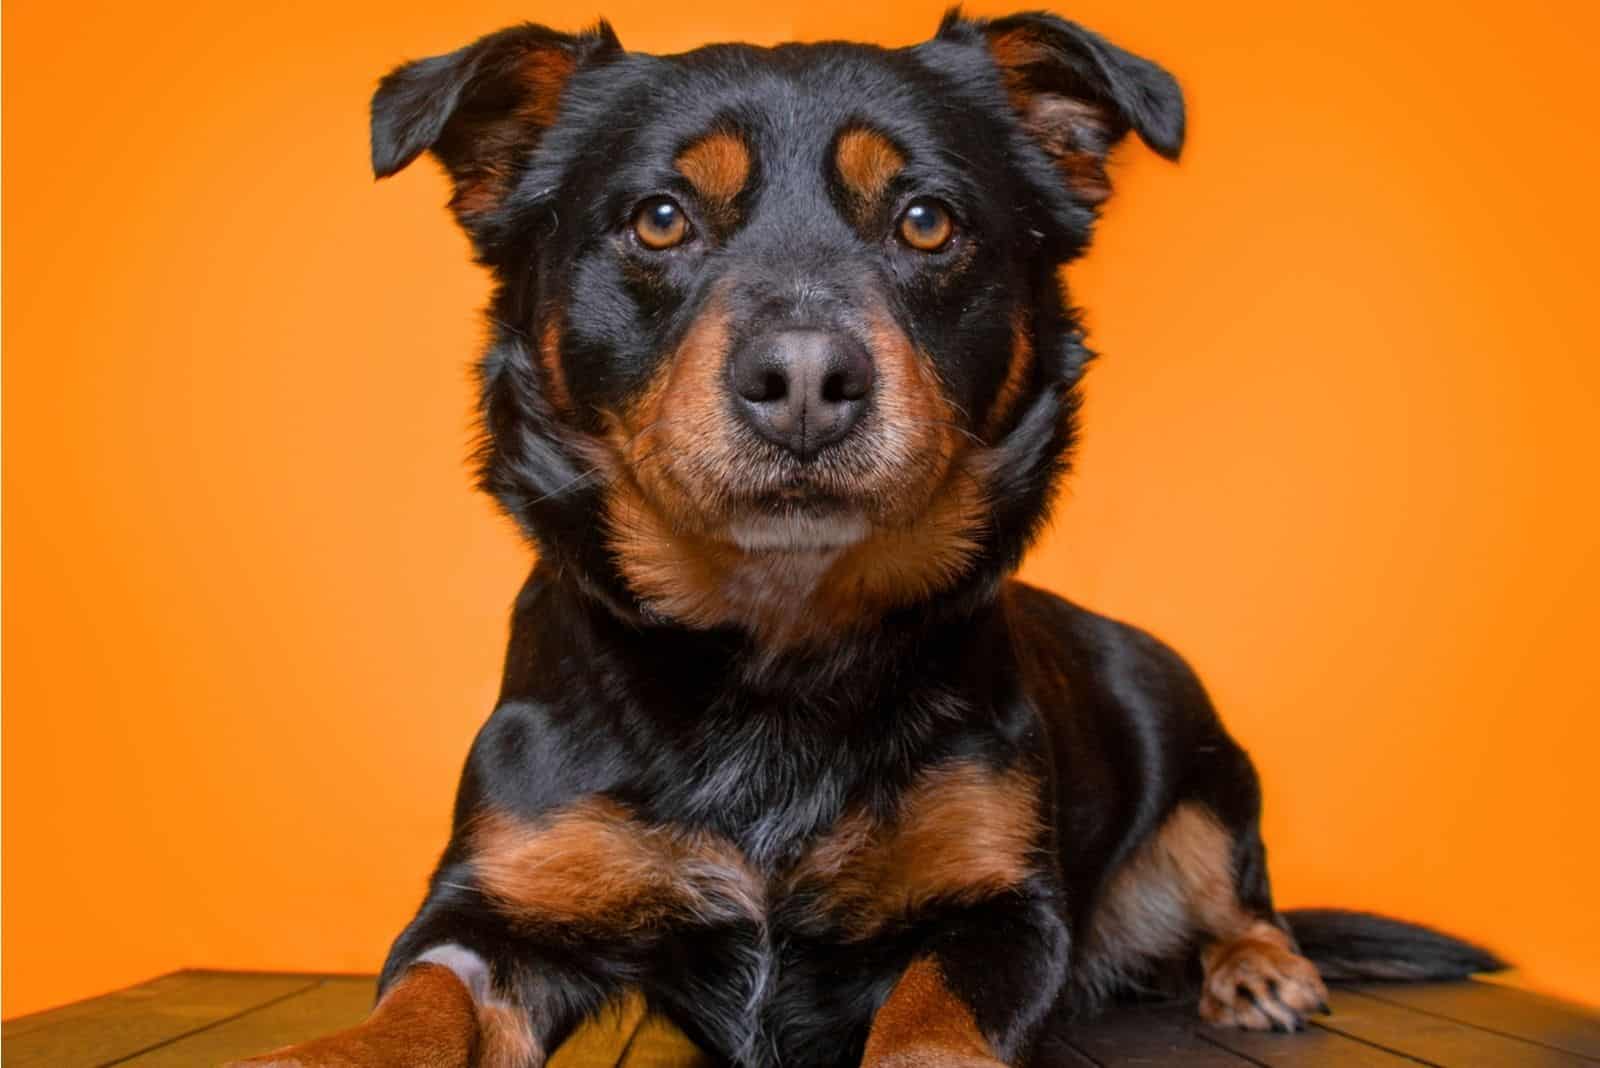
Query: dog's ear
(1077, 94)
(481, 109)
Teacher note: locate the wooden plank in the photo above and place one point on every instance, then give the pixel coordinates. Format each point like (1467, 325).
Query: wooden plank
(603, 1041)
(122, 1024)
(209, 1017)
(1316, 1047)
(1503, 1009)
(1150, 1035)
(328, 1005)
(1436, 1040)
(1176, 1035)
(659, 1044)
(1056, 1051)
(622, 1034)
(143, 992)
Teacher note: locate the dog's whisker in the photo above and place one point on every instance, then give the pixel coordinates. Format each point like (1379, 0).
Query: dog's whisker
(594, 470)
(948, 425)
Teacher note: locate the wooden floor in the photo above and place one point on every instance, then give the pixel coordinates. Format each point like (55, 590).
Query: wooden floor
(205, 1018)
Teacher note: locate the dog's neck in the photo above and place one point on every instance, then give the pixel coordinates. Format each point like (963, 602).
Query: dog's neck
(601, 617)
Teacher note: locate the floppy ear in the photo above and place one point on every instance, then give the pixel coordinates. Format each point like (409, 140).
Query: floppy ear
(481, 109)
(1078, 95)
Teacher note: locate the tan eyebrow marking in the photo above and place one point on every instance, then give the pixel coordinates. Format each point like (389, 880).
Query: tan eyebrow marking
(867, 162)
(718, 166)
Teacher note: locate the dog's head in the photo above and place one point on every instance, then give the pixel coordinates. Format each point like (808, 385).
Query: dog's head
(779, 340)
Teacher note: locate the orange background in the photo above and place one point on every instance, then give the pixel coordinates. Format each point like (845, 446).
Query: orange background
(1341, 450)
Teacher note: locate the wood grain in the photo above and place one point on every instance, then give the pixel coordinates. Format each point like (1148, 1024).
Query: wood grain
(207, 1018)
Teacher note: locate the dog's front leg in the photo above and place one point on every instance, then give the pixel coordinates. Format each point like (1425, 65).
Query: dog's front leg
(476, 982)
(978, 993)
(443, 1010)
(427, 1017)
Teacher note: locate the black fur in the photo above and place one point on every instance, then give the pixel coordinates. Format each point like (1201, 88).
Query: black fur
(1358, 946)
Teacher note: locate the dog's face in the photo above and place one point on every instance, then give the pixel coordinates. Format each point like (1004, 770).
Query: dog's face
(778, 323)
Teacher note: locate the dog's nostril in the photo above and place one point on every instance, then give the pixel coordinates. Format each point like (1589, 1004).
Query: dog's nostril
(801, 388)
(761, 385)
(849, 383)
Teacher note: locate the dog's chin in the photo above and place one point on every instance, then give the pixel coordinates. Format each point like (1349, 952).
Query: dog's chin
(798, 530)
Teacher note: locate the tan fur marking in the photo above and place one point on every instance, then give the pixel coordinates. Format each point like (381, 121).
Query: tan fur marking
(555, 376)
(1018, 368)
(678, 575)
(484, 182)
(1071, 131)
(506, 1039)
(1198, 852)
(479, 192)
(896, 567)
(1015, 50)
(680, 406)
(718, 166)
(1178, 889)
(1179, 883)
(923, 1024)
(1074, 132)
(963, 833)
(903, 562)
(651, 506)
(545, 73)
(666, 458)
(867, 162)
(1284, 986)
(592, 864)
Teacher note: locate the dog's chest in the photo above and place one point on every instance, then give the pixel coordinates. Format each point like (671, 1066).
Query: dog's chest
(773, 941)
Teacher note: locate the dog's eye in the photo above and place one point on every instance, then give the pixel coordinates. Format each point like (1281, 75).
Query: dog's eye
(926, 225)
(660, 223)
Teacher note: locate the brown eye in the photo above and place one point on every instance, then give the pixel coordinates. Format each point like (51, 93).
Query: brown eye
(926, 226)
(659, 223)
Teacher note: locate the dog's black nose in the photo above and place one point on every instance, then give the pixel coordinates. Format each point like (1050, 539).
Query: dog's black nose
(802, 389)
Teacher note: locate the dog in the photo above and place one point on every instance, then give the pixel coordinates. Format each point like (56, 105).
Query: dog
(782, 380)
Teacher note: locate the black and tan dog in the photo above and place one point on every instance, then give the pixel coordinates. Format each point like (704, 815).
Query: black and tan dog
(781, 382)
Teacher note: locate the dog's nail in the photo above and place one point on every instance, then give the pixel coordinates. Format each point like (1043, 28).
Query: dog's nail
(1324, 1008)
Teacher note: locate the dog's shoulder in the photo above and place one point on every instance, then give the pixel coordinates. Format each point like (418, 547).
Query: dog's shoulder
(1076, 663)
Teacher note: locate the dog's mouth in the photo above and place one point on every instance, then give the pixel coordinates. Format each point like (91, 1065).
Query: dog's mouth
(791, 508)
(798, 531)
(710, 532)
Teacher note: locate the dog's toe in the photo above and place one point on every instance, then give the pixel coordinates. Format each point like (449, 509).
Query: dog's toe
(1260, 986)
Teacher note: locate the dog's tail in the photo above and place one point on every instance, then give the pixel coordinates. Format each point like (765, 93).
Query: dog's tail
(1355, 946)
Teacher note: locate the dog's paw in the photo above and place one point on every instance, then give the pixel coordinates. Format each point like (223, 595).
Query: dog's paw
(1260, 985)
